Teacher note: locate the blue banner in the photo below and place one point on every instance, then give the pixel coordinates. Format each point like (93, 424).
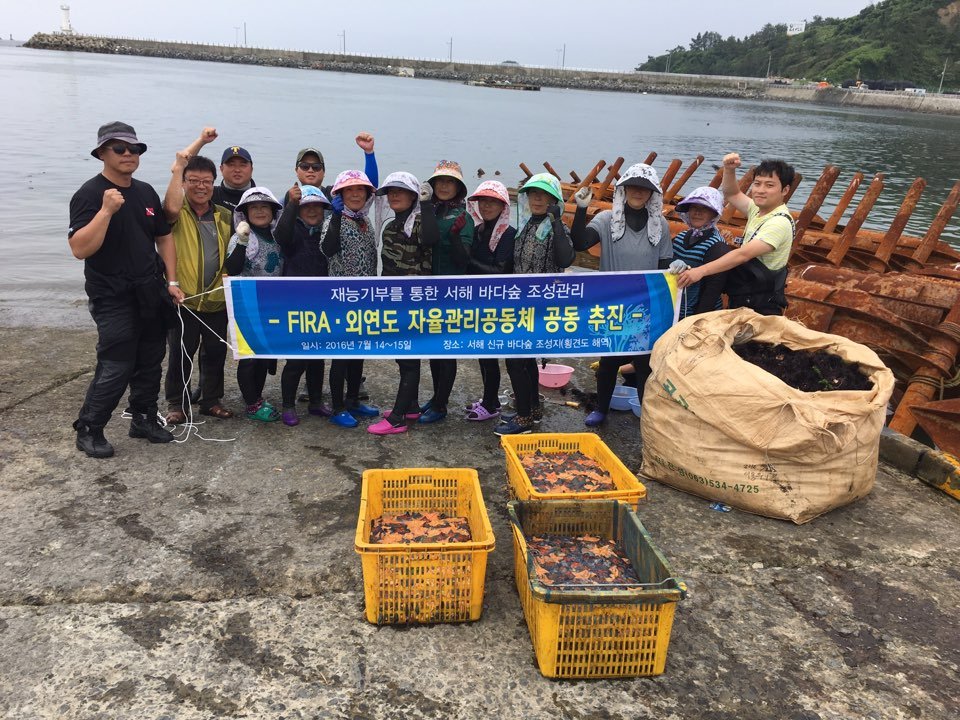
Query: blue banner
(472, 316)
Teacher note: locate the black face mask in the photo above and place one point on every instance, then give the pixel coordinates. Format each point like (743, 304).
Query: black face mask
(636, 219)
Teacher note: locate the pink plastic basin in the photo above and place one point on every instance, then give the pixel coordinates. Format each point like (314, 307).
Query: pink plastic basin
(555, 376)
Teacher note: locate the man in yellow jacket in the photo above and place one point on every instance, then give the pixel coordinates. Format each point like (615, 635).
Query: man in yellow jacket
(201, 231)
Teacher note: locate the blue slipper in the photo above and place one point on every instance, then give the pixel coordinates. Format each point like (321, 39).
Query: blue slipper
(344, 419)
(594, 419)
(363, 410)
(432, 416)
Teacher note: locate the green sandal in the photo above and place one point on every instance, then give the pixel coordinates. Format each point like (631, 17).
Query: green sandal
(265, 413)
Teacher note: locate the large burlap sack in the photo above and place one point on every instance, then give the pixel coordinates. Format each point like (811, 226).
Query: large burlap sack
(722, 428)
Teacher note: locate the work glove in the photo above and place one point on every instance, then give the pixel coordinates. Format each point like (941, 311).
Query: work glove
(426, 191)
(554, 211)
(243, 232)
(337, 204)
(583, 196)
(678, 266)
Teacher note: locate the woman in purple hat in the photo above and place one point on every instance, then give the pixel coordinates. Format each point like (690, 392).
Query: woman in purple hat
(699, 244)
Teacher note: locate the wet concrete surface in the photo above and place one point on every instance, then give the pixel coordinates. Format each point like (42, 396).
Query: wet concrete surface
(218, 579)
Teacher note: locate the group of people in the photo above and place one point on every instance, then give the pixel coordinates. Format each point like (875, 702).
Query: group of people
(145, 257)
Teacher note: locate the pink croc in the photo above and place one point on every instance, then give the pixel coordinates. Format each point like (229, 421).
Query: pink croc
(478, 413)
(385, 428)
(408, 416)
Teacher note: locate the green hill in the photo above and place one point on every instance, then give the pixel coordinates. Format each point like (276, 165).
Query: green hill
(905, 40)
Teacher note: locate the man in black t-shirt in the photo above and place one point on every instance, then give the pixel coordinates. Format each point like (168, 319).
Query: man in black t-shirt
(117, 227)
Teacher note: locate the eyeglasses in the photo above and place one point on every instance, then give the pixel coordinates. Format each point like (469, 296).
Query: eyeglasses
(121, 149)
(199, 183)
(316, 167)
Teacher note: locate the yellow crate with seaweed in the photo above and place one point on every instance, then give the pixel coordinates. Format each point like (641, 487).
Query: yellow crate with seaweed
(628, 488)
(583, 631)
(423, 582)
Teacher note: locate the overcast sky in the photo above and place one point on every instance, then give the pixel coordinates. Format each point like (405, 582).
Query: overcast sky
(616, 34)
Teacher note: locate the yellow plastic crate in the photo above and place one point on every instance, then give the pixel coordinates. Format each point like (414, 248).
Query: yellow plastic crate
(629, 489)
(423, 582)
(578, 631)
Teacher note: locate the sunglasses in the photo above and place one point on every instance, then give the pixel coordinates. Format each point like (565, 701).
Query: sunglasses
(121, 149)
(316, 167)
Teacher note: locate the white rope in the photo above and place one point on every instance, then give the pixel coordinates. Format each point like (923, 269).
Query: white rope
(182, 434)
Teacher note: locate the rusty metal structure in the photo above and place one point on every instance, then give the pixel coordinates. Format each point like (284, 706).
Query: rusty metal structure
(897, 294)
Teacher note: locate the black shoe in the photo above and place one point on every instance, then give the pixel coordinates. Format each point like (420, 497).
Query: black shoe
(194, 394)
(91, 441)
(147, 426)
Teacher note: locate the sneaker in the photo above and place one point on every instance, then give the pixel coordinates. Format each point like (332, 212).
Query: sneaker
(536, 415)
(320, 410)
(145, 425)
(385, 428)
(594, 419)
(344, 419)
(426, 406)
(359, 409)
(432, 416)
(91, 441)
(290, 418)
(517, 426)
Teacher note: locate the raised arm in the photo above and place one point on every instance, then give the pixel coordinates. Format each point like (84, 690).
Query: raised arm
(583, 236)
(730, 187)
(173, 198)
(365, 141)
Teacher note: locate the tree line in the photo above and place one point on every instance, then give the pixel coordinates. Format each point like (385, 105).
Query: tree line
(894, 40)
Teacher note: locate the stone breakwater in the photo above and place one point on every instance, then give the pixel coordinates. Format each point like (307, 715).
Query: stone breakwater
(428, 69)
(635, 82)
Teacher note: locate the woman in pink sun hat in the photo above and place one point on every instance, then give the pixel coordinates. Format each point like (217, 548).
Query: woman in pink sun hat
(350, 244)
(491, 253)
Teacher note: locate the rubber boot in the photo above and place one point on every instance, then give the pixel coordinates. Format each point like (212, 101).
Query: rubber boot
(92, 442)
(145, 425)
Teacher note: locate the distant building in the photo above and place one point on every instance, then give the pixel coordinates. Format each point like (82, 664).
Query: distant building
(65, 27)
(795, 28)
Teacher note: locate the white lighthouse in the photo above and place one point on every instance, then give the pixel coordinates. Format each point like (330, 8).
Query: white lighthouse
(65, 27)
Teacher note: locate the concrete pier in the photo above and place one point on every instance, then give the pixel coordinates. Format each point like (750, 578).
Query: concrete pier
(219, 579)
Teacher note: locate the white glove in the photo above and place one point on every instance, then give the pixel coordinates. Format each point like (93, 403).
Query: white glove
(426, 191)
(243, 232)
(583, 196)
(678, 266)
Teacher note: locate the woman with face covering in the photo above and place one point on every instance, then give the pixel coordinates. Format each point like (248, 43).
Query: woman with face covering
(298, 234)
(253, 252)
(450, 257)
(407, 234)
(542, 246)
(633, 235)
(490, 254)
(350, 244)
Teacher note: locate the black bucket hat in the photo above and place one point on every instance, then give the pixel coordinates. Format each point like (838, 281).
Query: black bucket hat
(117, 130)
